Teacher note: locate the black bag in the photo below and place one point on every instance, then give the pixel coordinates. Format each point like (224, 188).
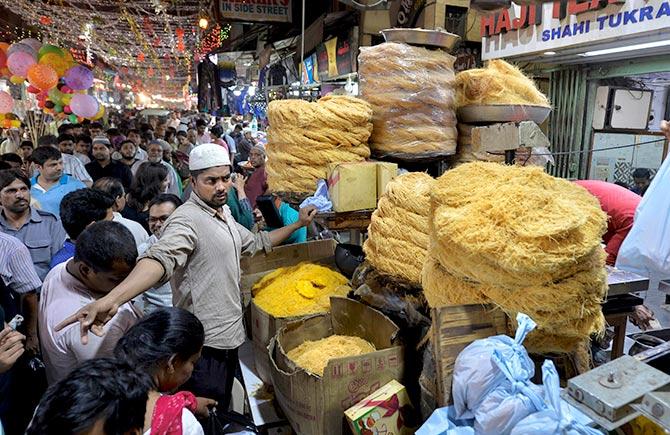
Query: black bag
(219, 423)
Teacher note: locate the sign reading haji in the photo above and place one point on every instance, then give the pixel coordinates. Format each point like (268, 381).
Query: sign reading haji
(529, 29)
(252, 10)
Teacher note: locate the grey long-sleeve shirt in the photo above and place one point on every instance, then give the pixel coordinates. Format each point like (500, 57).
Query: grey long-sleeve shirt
(200, 250)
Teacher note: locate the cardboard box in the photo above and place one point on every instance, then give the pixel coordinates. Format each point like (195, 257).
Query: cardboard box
(385, 173)
(263, 325)
(316, 404)
(352, 186)
(387, 410)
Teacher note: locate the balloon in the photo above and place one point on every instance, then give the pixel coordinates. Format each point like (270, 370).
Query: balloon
(66, 90)
(21, 48)
(6, 102)
(49, 105)
(41, 104)
(56, 96)
(100, 114)
(3, 59)
(78, 78)
(6, 123)
(58, 108)
(33, 90)
(42, 76)
(19, 62)
(73, 118)
(16, 123)
(58, 63)
(4, 72)
(67, 98)
(4, 46)
(67, 109)
(32, 43)
(17, 80)
(46, 49)
(84, 105)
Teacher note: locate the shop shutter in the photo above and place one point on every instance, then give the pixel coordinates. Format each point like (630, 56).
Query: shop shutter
(567, 93)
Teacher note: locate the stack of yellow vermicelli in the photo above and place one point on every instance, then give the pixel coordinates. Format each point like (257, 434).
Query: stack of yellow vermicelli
(523, 240)
(313, 356)
(304, 137)
(398, 232)
(498, 83)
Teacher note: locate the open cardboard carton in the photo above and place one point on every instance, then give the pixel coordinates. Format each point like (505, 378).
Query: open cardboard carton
(263, 325)
(316, 404)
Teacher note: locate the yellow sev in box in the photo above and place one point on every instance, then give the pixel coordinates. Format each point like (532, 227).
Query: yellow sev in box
(299, 290)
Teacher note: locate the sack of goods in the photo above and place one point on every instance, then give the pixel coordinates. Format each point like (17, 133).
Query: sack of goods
(304, 137)
(524, 240)
(398, 233)
(299, 290)
(411, 90)
(498, 83)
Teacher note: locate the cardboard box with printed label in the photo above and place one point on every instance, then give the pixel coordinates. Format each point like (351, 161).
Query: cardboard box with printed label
(387, 410)
(316, 404)
(352, 186)
(385, 173)
(264, 325)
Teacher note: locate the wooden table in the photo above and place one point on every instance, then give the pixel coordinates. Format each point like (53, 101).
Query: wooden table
(353, 221)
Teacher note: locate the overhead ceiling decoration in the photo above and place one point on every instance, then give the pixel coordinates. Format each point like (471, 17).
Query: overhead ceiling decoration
(148, 44)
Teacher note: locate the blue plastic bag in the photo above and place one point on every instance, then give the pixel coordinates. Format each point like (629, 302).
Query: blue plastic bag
(646, 249)
(509, 403)
(320, 199)
(443, 422)
(475, 373)
(556, 419)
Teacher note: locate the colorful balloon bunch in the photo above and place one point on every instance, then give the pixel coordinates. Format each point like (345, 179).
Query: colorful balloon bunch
(58, 82)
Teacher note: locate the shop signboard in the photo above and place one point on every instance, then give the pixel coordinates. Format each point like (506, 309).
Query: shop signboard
(569, 24)
(252, 10)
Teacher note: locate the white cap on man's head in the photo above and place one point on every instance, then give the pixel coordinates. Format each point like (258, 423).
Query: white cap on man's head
(208, 155)
(101, 139)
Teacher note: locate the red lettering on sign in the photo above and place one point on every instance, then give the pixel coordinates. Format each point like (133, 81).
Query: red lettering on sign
(520, 22)
(487, 25)
(576, 7)
(504, 23)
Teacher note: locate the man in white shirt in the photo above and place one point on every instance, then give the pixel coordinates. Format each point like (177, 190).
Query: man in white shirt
(160, 209)
(71, 165)
(104, 255)
(136, 137)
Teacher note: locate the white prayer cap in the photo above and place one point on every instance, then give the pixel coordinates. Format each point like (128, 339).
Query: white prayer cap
(208, 155)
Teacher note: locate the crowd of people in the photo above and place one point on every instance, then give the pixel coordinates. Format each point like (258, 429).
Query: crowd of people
(120, 306)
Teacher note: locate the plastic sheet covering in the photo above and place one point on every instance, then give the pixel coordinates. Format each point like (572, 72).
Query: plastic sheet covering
(510, 402)
(476, 375)
(557, 418)
(443, 422)
(411, 90)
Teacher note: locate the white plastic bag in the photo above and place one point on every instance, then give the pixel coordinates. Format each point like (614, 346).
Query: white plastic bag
(510, 402)
(556, 419)
(443, 422)
(646, 249)
(476, 375)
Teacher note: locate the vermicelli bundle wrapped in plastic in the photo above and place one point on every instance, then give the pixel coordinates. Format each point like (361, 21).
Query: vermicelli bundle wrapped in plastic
(523, 240)
(304, 137)
(411, 90)
(498, 83)
(398, 233)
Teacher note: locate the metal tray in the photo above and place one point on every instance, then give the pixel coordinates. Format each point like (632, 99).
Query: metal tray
(480, 113)
(423, 37)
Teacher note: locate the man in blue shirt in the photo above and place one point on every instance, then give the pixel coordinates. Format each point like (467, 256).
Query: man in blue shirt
(50, 186)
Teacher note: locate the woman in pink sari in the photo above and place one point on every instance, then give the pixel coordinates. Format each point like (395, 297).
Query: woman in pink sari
(166, 345)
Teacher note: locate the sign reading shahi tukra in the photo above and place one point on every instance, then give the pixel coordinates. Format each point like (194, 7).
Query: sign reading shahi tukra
(252, 10)
(536, 28)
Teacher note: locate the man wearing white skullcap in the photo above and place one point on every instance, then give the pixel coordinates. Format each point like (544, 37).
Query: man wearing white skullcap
(199, 250)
